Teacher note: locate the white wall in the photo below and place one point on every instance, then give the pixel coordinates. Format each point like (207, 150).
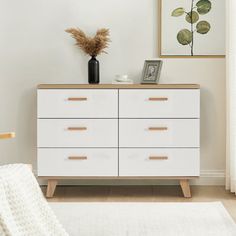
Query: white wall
(35, 49)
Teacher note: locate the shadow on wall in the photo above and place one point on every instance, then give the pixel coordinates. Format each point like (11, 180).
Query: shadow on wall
(27, 126)
(209, 131)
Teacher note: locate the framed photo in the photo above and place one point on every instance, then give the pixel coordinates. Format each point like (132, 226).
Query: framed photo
(192, 28)
(151, 71)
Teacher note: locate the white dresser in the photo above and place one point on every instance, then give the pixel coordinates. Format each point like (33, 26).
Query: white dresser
(118, 132)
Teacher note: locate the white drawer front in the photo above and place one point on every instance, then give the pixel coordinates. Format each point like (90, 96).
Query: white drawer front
(159, 162)
(159, 133)
(159, 103)
(77, 162)
(77, 103)
(77, 133)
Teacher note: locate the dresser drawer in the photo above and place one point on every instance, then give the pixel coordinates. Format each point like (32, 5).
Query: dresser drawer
(159, 133)
(77, 103)
(77, 162)
(77, 133)
(159, 162)
(159, 103)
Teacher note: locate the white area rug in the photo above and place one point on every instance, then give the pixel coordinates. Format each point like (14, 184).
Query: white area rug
(145, 219)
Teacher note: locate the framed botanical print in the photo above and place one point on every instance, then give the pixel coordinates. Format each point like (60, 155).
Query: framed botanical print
(192, 28)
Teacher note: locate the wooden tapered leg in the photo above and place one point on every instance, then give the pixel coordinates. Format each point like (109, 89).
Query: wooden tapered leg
(52, 184)
(184, 183)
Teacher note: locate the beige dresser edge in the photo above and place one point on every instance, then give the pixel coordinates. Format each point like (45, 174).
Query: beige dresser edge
(118, 86)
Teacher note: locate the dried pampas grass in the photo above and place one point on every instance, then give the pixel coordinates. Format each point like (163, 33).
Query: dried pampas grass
(91, 46)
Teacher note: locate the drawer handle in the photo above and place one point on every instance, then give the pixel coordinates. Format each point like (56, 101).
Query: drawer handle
(158, 158)
(78, 158)
(76, 128)
(158, 99)
(158, 128)
(77, 99)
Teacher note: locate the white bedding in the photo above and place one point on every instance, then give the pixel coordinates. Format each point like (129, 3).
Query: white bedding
(23, 208)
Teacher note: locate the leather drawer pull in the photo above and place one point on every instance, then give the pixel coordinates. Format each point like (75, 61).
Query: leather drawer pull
(80, 158)
(158, 128)
(157, 158)
(76, 128)
(158, 99)
(78, 99)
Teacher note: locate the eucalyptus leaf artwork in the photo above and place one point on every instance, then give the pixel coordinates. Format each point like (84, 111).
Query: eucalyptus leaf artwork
(192, 28)
(193, 16)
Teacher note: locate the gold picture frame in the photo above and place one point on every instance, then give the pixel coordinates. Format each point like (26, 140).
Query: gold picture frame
(160, 40)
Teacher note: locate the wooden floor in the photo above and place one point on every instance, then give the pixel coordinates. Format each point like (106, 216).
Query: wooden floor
(144, 194)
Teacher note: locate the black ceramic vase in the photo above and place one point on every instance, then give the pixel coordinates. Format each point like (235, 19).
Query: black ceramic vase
(93, 71)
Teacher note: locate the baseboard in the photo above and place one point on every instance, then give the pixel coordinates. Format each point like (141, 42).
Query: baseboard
(208, 177)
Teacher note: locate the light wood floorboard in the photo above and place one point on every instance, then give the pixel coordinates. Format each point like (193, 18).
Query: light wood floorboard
(144, 194)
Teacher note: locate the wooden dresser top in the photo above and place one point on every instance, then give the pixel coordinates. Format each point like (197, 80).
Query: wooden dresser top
(118, 86)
